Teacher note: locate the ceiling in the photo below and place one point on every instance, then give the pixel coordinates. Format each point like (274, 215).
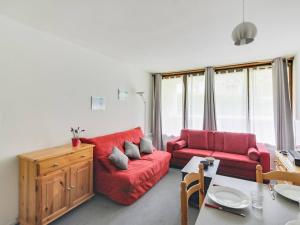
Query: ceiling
(166, 35)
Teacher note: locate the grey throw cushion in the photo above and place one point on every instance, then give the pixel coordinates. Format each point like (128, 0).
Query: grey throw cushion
(132, 150)
(146, 146)
(119, 159)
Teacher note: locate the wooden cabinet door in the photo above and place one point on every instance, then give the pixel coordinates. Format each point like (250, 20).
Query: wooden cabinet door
(53, 195)
(81, 182)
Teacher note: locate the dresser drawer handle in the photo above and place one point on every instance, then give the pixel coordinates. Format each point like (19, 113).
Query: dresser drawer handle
(55, 165)
(82, 156)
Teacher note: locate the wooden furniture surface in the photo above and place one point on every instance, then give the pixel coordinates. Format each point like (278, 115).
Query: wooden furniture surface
(278, 175)
(278, 211)
(53, 181)
(192, 182)
(283, 163)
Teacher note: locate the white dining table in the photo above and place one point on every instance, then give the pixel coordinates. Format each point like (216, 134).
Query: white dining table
(274, 212)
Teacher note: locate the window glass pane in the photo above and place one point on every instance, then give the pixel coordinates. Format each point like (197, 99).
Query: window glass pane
(261, 105)
(172, 106)
(297, 134)
(231, 101)
(195, 101)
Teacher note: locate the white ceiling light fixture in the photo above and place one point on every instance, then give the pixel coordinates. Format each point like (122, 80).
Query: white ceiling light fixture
(245, 32)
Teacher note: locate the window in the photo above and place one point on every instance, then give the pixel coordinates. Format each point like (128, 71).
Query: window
(231, 101)
(261, 104)
(172, 106)
(195, 101)
(243, 97)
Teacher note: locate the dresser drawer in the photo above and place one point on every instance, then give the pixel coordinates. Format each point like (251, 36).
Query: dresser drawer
(82, 155)
(52, 164)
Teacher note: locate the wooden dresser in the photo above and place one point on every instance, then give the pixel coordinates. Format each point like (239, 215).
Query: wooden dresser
(53, 181)
(283, 163)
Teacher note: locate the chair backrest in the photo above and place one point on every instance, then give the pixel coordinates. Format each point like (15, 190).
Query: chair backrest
(187, 190)
(292, 177)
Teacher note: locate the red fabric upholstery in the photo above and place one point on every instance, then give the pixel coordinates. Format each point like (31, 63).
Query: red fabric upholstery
(264, 157)
(219, 141)
(105, 144)
(236, 143)
(198, 139)
(252, 140)
(184, 134)
(231, 148)
(188, 153)
(107, 164)
(180, 144)
(235, 160)
(253, 154)
(211, 140)
(126, 186)
(171, 144)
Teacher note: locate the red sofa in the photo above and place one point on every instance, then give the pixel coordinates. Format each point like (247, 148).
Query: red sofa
(126, 186)
(231, 148)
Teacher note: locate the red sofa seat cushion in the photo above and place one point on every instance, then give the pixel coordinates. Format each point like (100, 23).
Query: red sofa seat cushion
(198, 139)
(236, 143)
(138, 171)
(155, 156)
(187, 153)
(235, 160)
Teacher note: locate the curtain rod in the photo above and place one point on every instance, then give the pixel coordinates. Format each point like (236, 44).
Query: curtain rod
(222, 68)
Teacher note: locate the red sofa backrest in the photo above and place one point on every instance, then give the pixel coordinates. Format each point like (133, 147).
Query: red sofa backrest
(230, 142)
(105, 144)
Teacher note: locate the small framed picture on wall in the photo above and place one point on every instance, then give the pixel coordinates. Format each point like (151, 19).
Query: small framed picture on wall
(97, 103)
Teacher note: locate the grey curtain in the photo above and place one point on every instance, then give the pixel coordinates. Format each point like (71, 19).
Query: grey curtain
(209, 118)
(156, 114)
(282, 107)
(185, 102)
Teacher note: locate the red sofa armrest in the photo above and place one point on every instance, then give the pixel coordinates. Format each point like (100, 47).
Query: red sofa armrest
(171, 143)
(264, 157)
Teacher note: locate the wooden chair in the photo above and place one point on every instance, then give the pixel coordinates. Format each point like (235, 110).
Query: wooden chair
(187, 191)
(292, 177)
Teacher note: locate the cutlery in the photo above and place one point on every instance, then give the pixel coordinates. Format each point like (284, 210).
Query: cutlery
(223, 209)
(271, 190)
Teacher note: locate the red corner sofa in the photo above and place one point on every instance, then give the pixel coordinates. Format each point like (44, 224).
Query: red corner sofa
(238, 152)
(126, 186)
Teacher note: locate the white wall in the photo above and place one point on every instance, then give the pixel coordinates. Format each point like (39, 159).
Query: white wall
(45, 88)
(297, 96)
(297, 84)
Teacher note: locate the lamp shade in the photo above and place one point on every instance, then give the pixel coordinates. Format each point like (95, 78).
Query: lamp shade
(244, 33)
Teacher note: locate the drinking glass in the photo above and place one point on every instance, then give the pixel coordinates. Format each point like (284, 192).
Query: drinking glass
(257, 199)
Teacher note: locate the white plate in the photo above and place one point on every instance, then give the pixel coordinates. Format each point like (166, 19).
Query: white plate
(289, 191)
(293, 222)
(228, 197)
